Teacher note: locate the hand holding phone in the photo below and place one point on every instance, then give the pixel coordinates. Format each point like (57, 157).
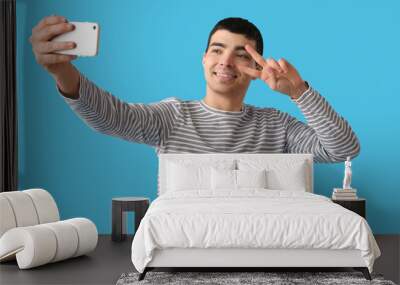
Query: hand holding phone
(50, 46)
(86, 37)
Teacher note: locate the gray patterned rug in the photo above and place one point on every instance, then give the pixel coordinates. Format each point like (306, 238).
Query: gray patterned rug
(243, 278)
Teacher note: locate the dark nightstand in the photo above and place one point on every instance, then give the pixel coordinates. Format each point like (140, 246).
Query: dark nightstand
(120, 206)
(357, 206)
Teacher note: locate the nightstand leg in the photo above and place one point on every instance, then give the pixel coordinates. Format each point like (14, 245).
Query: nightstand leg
(123, 227)
(117, 222)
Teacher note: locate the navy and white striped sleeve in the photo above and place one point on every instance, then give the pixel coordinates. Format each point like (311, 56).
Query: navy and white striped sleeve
(141, 123)
(326, 135)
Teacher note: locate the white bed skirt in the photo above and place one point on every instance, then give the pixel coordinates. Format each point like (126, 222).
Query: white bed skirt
(193, 257)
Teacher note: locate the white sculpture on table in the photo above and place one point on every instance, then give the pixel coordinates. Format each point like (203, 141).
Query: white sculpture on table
(347, 174)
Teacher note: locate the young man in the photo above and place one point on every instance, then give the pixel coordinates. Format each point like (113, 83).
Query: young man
(221, 122)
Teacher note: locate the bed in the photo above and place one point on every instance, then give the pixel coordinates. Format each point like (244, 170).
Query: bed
(247, 211)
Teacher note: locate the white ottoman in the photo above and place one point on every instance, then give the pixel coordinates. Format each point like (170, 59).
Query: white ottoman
(31, 232)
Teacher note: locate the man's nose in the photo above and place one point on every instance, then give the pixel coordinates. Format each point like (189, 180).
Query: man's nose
(226, 60)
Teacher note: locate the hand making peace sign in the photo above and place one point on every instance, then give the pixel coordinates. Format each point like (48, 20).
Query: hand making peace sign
(279, 75)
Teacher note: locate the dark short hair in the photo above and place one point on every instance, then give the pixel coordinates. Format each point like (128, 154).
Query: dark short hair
(242, 27)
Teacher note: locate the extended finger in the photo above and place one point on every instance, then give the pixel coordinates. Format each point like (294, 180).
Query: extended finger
(255, 55)
(47, 59)
(49, 47)
(50, 32)
(254, 73)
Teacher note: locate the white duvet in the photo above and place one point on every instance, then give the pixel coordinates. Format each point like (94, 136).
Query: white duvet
(250, 219)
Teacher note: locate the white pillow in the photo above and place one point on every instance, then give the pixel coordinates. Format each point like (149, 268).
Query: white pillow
(225, 179)
(181, 178)
(184, 175)
(251, 178)
(281, 175)
(289, 179)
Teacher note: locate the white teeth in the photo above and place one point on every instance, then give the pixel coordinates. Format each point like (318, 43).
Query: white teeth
(226, 75)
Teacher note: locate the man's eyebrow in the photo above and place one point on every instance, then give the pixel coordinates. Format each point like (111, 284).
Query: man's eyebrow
(224, 46)
(217, 44)
(240, 48)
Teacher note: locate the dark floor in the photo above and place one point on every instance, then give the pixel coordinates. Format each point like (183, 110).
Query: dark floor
(111, 259)
(102, 266)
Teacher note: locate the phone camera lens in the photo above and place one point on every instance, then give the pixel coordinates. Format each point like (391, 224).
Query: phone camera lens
(94, 27)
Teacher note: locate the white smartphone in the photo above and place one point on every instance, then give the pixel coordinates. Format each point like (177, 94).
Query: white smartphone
(86, 37)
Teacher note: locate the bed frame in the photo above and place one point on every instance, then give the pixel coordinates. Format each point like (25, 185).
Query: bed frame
(236, 259)
(261, 259)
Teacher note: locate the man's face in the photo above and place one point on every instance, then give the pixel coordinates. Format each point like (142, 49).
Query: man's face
(225, 53)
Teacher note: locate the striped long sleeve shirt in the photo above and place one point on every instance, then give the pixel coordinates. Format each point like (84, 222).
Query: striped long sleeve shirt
(190, 126)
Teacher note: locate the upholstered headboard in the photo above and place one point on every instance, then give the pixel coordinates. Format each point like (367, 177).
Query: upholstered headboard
(286, 171)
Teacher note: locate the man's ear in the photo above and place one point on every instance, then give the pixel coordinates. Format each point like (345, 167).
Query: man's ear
(203, 59)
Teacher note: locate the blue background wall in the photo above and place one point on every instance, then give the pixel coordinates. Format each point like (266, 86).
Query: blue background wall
(150, 50)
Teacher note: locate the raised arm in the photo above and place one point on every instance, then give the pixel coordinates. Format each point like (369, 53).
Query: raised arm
(326, 135)
(150, 124)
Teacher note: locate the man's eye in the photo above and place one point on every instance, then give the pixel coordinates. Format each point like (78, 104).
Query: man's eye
(245, 56)
(217, 51)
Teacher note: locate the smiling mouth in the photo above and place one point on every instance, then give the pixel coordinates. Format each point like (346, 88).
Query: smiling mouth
(224, 75)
